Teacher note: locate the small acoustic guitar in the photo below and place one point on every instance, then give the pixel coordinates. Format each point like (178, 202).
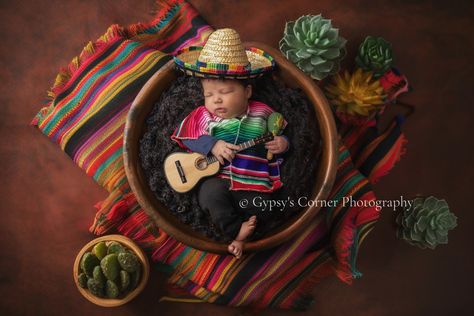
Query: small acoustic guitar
(184, 170)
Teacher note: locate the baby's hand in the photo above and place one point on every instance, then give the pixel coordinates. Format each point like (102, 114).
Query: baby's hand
(278, 145)
(223, 150)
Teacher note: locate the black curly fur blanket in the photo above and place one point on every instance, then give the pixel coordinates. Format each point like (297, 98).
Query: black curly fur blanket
(185, 94)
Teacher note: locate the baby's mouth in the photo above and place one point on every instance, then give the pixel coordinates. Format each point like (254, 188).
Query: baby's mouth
(220, 110)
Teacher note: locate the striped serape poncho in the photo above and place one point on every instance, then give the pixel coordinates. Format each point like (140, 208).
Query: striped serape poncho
(250, 169)
(86, 115)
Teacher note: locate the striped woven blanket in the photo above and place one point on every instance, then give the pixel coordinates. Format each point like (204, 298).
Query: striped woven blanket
(86, 115)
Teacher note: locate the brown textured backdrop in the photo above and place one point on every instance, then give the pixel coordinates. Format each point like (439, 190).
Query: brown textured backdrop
(47, 201)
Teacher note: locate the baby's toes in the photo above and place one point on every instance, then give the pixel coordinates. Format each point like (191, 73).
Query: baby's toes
(239, 254)
(235, 250)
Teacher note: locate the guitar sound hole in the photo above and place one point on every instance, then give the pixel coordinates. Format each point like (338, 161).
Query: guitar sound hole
(201, 164)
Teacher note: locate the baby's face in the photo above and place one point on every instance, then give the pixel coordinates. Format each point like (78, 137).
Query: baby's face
(225, 98)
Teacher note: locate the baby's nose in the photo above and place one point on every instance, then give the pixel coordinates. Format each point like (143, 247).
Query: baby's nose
(217, 99)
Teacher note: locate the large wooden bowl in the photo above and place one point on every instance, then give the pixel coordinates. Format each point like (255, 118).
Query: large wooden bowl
(136, 125)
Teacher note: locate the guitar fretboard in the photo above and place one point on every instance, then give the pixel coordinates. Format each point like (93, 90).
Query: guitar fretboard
(250, 143)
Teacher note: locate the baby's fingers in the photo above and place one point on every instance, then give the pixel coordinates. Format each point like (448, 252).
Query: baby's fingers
(219, 157)
(231, 153)
(228, 157)
(275, 151)
(232, 146)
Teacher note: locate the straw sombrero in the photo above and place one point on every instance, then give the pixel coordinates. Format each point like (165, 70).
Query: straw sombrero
(224, 56)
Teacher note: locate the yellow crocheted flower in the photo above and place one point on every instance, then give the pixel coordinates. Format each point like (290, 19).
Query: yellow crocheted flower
(356, 94)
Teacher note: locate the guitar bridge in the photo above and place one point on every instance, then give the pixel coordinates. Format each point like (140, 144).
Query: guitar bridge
(180, 171)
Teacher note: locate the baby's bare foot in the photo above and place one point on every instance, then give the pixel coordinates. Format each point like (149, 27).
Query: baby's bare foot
(246, 230)
(235, 248)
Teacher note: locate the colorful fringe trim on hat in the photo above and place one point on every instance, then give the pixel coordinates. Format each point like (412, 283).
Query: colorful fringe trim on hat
(86, 117)
(216, 70)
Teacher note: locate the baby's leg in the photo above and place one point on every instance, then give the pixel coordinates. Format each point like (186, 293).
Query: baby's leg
(249, 203)
(246, 230)
(214, 197)
(256, 204)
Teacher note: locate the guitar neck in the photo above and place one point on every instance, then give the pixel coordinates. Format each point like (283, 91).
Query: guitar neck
(246, 145)
(250, 143)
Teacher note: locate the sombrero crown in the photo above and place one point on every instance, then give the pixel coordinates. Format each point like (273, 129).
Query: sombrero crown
(224, 56)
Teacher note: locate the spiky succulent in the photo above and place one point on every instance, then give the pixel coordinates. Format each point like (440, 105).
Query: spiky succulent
(356, 95)
(426, 223)
(375, 54)
(313, 45)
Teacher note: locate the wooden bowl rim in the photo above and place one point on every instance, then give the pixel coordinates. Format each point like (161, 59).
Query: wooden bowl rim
(325, 175)
(112, 302)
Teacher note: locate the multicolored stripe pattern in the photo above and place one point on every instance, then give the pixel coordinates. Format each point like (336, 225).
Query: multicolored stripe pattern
(253, 173)
(86, 116)
(91, 98)
(250, 169)
(260, 63)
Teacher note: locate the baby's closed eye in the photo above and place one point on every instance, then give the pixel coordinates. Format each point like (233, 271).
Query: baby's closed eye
(225, 91)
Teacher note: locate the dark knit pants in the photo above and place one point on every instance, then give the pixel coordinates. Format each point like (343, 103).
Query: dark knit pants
(223, 206)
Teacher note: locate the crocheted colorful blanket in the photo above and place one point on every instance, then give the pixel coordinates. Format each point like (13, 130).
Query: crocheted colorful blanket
(86, 116)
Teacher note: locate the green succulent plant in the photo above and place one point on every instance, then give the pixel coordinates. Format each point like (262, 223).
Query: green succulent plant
(426, 222)
(313, 45)
(375, 54)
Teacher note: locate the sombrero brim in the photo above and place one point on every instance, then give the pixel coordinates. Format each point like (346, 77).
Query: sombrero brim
(260, 62)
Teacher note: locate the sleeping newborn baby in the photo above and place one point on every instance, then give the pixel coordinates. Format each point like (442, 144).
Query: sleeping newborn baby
(228, 118)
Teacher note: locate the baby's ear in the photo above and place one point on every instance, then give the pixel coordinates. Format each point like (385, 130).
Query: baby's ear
(248, 91)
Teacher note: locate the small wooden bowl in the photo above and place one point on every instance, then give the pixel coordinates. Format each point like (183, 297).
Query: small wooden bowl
(135, 127)
(112, 302)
